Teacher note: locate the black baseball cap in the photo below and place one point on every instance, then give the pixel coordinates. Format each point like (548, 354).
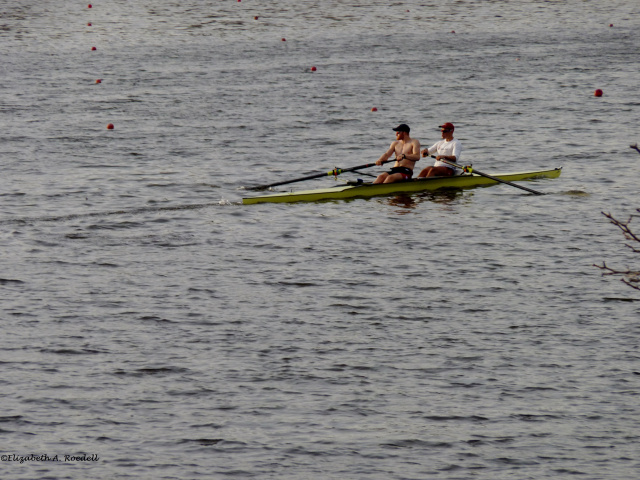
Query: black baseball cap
(403, 127)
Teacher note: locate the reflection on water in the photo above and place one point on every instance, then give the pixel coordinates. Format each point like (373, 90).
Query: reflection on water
(407, 203)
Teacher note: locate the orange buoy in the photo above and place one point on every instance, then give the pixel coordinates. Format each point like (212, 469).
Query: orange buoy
(255, 18)
(598, 92)
(99, 80)
(110, 126)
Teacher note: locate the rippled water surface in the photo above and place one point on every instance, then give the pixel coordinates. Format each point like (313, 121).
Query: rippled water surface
(153, 321)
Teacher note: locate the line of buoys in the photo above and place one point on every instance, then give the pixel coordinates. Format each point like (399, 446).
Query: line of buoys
(110, 126)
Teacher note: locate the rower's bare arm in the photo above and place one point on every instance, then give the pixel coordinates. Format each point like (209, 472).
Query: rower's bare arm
(414, 155)
(387, 155)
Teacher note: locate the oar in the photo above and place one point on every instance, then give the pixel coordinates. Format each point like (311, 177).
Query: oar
(491, 177)
(336, 171)
(635, 146)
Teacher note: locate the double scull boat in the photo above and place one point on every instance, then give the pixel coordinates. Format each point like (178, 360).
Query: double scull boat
(363, 190)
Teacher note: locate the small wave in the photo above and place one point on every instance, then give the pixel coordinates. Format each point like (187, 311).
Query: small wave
(151, 371)
(612, 299)
(12, 419)
(72, 351)
(416, 443)
(459, 418)
(204, 441)
(576, 193)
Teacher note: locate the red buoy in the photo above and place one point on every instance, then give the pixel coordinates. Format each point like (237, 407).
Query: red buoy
(93, 49)
(284, 39)
(99, 80)
(374, 109)
(110, 126)
(313, 69)
(89, 6)
(598, 93)
(89, 24)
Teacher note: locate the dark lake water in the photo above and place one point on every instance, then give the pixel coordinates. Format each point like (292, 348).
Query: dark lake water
(153, 321)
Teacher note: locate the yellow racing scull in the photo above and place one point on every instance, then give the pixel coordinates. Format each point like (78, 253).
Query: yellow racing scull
(363, 190)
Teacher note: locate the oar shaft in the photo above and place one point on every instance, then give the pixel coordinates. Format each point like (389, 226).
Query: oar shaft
(301, 179)
(334, 172)
(496, 179)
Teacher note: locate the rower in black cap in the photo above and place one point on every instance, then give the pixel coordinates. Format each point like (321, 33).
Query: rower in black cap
(407, 153)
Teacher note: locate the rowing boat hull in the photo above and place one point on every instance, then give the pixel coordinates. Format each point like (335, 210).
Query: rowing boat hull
(411, 186)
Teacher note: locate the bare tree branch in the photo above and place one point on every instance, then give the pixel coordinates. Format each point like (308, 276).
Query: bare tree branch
(630, 277)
